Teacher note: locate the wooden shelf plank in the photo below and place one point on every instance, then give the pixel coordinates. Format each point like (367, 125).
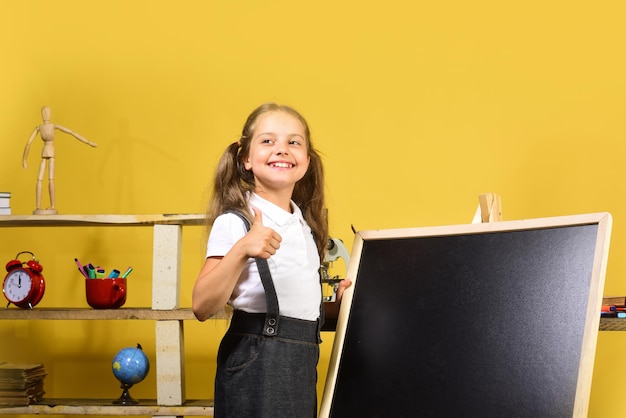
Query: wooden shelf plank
(104, 314)
(101, 220)
(203, 407)
(181, 314)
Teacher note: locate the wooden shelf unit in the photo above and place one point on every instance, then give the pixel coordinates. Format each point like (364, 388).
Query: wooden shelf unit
(165, 311)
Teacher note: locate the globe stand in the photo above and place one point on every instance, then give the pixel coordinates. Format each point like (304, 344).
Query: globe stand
(125, 398)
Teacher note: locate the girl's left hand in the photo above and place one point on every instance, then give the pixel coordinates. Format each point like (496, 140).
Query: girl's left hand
(343, 285)
(331, 309)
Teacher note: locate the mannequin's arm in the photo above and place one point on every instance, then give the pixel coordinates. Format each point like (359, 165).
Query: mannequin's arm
(75, 135)
(27, 147)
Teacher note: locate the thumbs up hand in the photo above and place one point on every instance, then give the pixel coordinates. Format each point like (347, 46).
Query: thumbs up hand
(261, 241)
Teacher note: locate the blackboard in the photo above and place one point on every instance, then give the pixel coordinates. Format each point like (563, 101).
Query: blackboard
(485, 320)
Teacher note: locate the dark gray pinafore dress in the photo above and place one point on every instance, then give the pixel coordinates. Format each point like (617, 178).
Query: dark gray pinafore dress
(267, 363)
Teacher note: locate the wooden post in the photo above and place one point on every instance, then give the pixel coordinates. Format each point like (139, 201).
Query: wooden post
(166, 266)
(170, 363)
(489, 208)
(166, 261)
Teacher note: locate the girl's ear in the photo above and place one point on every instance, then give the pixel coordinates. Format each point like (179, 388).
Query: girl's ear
(246, 163)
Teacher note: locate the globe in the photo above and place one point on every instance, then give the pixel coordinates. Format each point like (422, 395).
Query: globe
(130, 366)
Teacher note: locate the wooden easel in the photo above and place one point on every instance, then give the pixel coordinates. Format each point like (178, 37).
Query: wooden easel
(489, 208)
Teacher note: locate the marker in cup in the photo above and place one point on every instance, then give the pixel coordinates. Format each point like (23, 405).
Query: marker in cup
(126, 273)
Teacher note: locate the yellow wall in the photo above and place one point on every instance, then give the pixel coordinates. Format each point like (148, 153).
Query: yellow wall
(418, 108)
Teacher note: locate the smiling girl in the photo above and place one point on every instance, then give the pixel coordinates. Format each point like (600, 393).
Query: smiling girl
(267, 241)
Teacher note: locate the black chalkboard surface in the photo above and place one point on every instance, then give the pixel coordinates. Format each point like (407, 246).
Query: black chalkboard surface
(484, 320)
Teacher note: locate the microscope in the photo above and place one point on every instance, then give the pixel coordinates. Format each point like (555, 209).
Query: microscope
(335, 250)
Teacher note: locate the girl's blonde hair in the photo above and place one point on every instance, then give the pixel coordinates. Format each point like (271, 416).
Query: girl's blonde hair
(232, 182)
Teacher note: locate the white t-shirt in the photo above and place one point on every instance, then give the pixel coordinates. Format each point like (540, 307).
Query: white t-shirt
(294, 267)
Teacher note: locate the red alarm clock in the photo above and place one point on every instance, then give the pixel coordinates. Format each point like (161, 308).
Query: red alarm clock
(23, 285)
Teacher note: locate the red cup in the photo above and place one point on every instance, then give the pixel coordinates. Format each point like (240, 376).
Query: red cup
(105, 293)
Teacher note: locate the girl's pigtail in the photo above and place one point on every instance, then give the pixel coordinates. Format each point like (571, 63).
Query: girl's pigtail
(227, 186)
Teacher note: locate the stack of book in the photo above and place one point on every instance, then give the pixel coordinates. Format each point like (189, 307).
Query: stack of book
(21, 383)
(5, 203)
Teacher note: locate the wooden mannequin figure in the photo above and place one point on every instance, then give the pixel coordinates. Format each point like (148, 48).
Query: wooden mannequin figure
(46, 130)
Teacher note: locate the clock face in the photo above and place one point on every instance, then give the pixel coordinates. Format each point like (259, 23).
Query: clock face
(17, 285)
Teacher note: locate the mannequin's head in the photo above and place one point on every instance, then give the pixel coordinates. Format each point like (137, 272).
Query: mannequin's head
(45, 113)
